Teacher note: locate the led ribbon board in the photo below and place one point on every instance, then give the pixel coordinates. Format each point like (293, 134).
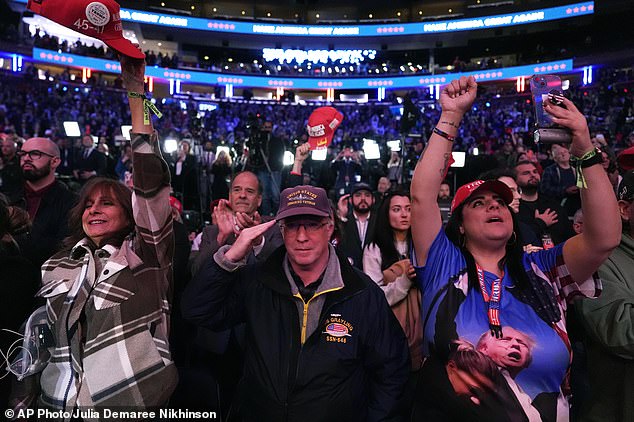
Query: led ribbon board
(242, 80)
(259, 28)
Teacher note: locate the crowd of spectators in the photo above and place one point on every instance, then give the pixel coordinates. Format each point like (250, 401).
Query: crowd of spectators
(31, 107)
(216, 145)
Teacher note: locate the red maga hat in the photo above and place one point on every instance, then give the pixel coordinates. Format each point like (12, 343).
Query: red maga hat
(465, 191)
(98, 19)
(322, 124)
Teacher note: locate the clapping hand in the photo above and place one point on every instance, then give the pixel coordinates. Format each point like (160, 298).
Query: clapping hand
(223, 216)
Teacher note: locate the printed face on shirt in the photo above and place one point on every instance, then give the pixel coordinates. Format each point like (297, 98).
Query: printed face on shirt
(306, 239)
(400, 212)
(511, 352)
(244, 196)
(103, 216)
(486, 219)
(362, 201)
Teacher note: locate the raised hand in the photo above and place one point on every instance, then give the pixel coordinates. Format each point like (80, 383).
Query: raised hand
(342, 206)
(246, 240)
(244, 221)
(133, 72)
(458, 96)
(569, 116)
(302, 151)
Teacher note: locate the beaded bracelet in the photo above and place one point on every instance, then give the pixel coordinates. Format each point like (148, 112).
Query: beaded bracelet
(147, 107)
(588, 159)
(444, 134)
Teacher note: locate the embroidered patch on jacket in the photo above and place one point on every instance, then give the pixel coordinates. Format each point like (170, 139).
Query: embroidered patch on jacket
(337, 329)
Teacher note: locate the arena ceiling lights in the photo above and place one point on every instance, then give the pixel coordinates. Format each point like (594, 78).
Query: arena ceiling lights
(316, 56)
(418, 28)
(256, 81)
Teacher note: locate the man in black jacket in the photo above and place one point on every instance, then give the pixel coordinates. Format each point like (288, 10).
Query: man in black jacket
(358, 225)
(322, 342)
(544, 215)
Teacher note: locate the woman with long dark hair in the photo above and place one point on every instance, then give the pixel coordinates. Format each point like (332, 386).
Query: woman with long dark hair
(479, 286)
(386, 258)
(108, 292)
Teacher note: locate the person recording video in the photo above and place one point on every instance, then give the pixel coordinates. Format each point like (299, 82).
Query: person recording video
(266, 160)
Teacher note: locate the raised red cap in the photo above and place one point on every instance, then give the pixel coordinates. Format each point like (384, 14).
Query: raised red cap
(322, 124)
(97, 19)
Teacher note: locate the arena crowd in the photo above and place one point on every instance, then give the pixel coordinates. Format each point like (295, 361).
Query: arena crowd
(216, 276)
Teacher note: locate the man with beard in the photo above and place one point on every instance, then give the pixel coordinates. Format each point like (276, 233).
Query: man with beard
(544, 215)
(358, 224)
(444, 201)
(46, 200)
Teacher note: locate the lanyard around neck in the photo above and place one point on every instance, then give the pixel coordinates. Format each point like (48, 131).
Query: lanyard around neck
(493, 300)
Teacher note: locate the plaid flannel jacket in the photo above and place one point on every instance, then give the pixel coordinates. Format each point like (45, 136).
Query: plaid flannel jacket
(119, 357)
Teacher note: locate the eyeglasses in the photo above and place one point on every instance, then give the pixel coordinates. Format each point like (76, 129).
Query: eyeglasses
(309, 226)
(33, 155)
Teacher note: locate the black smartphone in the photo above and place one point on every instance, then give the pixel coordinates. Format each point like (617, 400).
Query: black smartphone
(546, 131)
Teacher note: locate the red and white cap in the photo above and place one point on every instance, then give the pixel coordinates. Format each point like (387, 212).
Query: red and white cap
(322, 124)
(465, 191)
(98, 19)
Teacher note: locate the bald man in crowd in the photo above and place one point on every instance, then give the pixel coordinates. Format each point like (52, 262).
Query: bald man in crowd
(47, 200)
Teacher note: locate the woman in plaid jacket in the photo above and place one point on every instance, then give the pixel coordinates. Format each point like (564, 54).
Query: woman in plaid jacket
(108, 294)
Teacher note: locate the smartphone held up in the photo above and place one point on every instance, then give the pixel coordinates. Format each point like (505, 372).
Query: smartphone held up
(548, 87)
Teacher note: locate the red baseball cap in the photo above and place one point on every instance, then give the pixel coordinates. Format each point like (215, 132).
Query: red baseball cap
(465, 191)
(322, 124)
(626, 159)
(97, 19)
(176, 204)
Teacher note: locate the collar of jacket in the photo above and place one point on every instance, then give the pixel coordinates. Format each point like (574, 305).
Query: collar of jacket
(125, 255)
(274, 278)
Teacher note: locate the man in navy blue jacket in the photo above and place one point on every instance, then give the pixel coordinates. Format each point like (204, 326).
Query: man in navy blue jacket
(322, 342)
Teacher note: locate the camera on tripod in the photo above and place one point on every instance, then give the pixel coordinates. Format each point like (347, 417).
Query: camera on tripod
(259, 131)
